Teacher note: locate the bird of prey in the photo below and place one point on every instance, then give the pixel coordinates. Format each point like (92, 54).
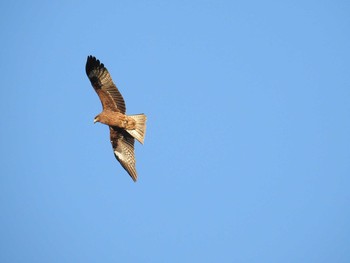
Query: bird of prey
(123, 128)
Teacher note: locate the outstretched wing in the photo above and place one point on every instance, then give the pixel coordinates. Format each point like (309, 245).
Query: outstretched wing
(102, 82)
(123, 147)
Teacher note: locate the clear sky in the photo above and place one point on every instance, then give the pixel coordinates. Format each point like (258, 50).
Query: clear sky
(247, 151)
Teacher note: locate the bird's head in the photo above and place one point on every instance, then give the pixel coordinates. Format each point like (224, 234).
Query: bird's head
(97, 119)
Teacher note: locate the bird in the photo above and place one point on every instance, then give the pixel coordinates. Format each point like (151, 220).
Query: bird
(124, 129)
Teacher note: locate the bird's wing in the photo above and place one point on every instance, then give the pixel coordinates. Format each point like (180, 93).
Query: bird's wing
(102, 82)
(123, 147)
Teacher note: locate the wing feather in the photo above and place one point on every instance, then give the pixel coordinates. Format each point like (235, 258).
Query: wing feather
(102, 82)
(123, 147)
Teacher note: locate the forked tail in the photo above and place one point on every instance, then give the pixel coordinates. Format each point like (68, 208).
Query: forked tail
(140, 129)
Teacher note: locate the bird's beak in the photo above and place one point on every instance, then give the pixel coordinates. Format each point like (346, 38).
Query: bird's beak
(95, 120)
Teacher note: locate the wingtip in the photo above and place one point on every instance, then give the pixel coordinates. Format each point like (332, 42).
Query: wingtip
(133, 174)
(90, 57)
(93, 63)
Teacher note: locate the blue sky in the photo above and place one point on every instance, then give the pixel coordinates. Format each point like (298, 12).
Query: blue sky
(247, 151)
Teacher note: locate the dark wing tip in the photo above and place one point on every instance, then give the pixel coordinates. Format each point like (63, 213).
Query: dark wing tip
(134, 178)
(93, 63)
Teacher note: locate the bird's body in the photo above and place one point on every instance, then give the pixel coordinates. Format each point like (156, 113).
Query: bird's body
(123, 128)
(117, 119)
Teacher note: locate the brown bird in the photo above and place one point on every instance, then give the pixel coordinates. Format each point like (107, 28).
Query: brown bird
(123, 128)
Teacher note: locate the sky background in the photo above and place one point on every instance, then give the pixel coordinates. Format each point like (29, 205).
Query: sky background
(247, 151)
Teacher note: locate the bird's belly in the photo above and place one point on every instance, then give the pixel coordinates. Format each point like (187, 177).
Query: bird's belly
(122, 121)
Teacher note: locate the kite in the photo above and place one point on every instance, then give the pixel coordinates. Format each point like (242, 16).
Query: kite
(124, 129)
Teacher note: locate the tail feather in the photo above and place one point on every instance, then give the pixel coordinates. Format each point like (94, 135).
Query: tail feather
(140, 130)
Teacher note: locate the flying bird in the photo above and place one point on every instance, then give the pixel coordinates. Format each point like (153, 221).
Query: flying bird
(124, 129)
